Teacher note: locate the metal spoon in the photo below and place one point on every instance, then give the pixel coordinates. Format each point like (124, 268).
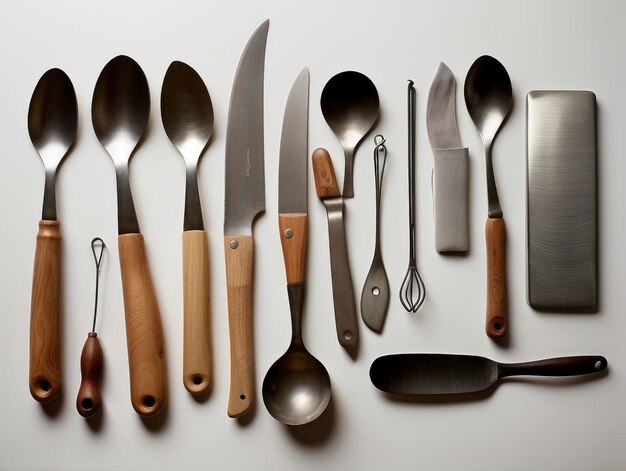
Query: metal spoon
(350, 106)
(489, 98)
(52, 124)
(187, 115)
(119, 111)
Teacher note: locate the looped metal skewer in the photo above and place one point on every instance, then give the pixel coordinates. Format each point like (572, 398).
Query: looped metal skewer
(380, 153)
(413, 290)
(98, 259)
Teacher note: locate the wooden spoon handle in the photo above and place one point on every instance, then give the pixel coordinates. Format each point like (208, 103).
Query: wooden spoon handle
(239, 252)
(497, 318)
(45, 318)
(144, 332)
(197, 362)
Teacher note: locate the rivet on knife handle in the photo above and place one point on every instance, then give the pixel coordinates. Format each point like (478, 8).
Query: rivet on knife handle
(144, 332)
(343, 294)
(45, 342)
(239, 269)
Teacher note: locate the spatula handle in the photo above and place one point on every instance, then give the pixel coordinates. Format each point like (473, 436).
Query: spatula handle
(239, 252)
(45, 319)
(144, 332)
(197, 361)
(497, 325)
(562, 366)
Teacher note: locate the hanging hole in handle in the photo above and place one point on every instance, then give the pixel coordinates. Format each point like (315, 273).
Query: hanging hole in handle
(87, 403)
(598, 365)
(497, 325)
(375, 290)
(347, 335)
(44, 385)
(242, 397)
(149, 401)
(197, 380)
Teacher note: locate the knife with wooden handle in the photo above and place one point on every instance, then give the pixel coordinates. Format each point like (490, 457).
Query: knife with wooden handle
(244, 199)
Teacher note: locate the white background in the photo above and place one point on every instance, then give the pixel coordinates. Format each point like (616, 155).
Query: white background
(523, 424)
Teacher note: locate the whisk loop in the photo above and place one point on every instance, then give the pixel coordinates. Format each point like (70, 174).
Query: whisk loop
(413, 290)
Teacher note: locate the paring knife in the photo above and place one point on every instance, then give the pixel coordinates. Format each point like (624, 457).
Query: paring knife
(244, 199)
(431, 374)
(343, 294)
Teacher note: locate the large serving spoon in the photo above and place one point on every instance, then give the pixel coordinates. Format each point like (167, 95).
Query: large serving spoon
(489, 98)
(52, 124)
(350, 106)
(187, 115)
(120, 111)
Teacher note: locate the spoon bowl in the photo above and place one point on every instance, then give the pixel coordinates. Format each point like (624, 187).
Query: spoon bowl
(350, 106)
(296, 389)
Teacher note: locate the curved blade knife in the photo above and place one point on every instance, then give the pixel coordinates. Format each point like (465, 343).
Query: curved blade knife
(244, 199)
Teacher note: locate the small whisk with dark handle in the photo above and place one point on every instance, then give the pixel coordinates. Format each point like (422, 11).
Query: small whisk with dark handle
(412, 291)
(89, 399)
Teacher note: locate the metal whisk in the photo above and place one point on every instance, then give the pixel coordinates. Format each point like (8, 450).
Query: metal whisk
(412, 291)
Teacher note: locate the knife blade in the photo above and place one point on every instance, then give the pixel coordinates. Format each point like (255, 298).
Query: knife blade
(244, 199)
(443, 132)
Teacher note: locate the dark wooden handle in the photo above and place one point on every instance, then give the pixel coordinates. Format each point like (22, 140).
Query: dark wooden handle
(89, 399)
(144, 332)
(197, 358)
(497, 318)
(563, 366)
(239, 252)
(293, 238)
(45, 316)
(325, 181)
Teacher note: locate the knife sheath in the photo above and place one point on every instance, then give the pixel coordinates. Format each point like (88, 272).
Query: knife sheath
(561, 200)
(450, 191)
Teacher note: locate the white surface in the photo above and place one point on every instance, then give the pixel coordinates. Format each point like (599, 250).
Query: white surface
(522, 425)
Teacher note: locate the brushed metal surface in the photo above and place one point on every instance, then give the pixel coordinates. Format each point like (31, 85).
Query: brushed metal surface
(561, 199)
(292, 171)
(244, 195)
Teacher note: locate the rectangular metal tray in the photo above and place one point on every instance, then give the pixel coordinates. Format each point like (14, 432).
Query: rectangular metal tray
(561, 200)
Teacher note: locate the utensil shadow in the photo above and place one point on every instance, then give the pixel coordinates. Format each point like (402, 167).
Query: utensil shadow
(246, 419)
(157, 423)
(438, 399)
(315, 434)
(53, 408)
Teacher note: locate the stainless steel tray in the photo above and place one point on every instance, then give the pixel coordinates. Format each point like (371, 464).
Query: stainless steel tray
(561, 199)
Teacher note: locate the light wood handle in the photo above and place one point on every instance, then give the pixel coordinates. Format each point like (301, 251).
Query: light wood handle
(144, 332)
(45, 316)
(239, 268)
(497, 318)
(197, 358)
(293, 237)
(325, 181)
(89, 399)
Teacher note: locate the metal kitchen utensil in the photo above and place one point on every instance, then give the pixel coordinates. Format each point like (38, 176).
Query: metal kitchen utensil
(375, 295)
(489, 98)
(561, 200)
(350, 106)
(187, 115)
(244, 199)
(119, 111)
(296, 389)
(432, 374)
(89, 399)
(327, 190)
(413, 290)
(52, 124)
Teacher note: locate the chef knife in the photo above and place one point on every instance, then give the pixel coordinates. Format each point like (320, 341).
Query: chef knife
(430, 374)
(244, 199)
